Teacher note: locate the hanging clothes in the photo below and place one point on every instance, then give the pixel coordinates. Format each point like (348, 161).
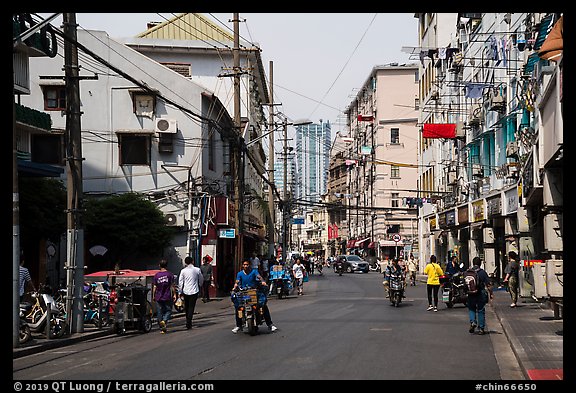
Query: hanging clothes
(474, 90)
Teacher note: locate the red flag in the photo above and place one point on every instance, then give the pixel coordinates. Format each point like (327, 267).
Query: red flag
(447, 130)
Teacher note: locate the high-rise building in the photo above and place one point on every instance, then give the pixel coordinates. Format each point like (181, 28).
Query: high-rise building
(312, 160)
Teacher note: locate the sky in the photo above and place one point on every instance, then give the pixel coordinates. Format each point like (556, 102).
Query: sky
(320, 60)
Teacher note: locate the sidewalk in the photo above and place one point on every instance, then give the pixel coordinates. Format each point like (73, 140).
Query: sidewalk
(533, 333)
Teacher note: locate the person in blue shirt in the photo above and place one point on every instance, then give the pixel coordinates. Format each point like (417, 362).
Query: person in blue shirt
(250, 278)
(476, 303)
(452, 266)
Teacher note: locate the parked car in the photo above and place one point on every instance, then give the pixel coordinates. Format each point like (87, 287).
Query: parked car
(353, 263)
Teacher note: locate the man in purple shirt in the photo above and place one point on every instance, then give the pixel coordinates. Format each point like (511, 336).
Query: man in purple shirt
(163, 293)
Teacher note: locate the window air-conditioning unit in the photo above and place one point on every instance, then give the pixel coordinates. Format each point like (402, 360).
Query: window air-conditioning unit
(474, 114)
(174, 219)
(166, 125)
(497, 100)
(477, 170)
(512, 149)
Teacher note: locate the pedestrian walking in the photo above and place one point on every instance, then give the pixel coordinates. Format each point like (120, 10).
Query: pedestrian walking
(434, 271)
(24, 280)
(189, 285)
(412, 269)
(511, 277)
(477, 301)
(164, 293)
(299, 270)
(206, 269)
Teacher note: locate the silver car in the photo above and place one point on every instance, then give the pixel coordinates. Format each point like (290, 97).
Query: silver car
(353, 263)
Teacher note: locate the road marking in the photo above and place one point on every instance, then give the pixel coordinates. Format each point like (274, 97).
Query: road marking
(380, 329)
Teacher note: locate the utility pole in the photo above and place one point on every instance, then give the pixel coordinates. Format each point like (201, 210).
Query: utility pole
(15, 234)
(75, 232)
(285, 196)
(238, 177)
(271, 227)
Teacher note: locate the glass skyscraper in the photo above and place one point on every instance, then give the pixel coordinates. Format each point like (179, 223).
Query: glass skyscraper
(312, 160)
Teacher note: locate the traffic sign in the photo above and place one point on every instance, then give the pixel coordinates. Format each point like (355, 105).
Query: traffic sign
(396, 238)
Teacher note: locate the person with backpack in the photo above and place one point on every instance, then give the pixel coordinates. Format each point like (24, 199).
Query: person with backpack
(433, 271)
(479, 290)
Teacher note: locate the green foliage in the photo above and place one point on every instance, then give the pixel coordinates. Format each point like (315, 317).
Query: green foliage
(128, 225)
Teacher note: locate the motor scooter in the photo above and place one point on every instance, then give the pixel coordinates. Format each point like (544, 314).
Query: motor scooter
(280, 282)
(396, 290)
(37, 315)
(25, 333)
(249, 309)
(339, 267)
(453, 288)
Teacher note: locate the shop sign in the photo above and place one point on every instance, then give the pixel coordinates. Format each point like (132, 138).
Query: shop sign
(463, 215)
(510, 201)
(478, 211)
(493, 206)
(432, 223)
(442, 220)
(227, 233)
(451, 218)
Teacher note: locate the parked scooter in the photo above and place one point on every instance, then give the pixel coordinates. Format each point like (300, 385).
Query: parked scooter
(25, 333)
(453, 288)
(396, 290)
(37, 316)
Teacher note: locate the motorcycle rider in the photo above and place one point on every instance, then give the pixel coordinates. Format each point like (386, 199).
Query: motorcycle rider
(250, 278)
(392, 269)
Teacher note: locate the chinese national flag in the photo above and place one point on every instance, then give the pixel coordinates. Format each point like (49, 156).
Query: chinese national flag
(447, 130)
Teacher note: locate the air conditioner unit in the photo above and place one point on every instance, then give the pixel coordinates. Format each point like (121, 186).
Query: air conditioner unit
(512, 149)
(166, 125)
(474, 114)
(477, 170)
(174, 219)
(497, 100)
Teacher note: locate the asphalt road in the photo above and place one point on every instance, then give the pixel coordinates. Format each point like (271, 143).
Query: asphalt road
(341, 329)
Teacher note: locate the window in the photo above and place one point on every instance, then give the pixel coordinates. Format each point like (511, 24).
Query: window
(134, 148)
(394, 171)
(54, 98)
(395, 199)
(416, 103)
(394, 135)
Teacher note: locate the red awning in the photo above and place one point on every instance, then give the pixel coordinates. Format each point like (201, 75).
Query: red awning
(431, 130)
(123, 273)
(372, 245)
(350, 243)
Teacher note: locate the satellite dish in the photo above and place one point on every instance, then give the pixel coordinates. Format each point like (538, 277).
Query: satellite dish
(98, 250)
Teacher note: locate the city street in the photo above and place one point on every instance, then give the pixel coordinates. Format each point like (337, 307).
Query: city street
(342, 328)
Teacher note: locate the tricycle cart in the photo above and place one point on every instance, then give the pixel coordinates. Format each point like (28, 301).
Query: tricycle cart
(133, 310)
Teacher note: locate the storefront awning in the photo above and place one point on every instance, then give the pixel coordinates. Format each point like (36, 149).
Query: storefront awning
(372, 245)
(350, 243)
(391, 243)
(360, 242)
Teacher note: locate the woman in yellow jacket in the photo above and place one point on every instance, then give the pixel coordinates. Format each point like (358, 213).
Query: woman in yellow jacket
(434, 271)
